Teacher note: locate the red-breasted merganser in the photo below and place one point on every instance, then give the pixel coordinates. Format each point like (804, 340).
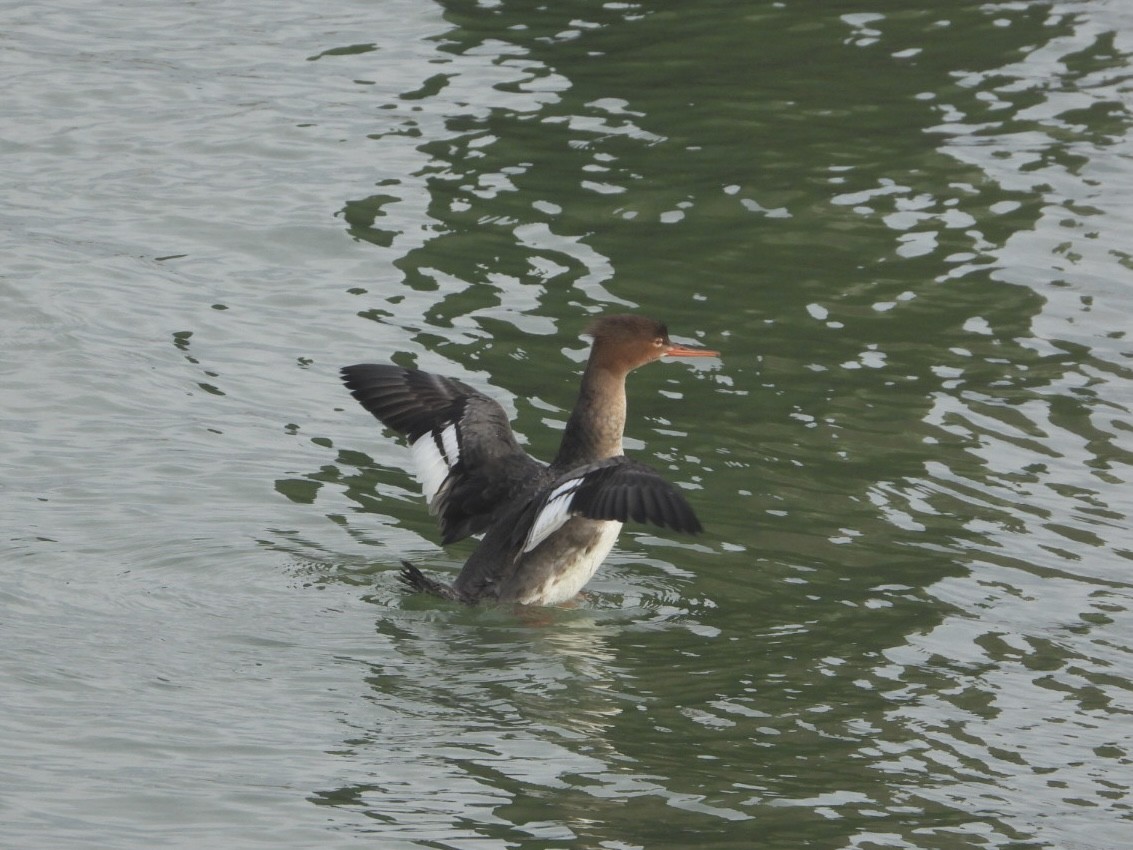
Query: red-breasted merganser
(546, 528)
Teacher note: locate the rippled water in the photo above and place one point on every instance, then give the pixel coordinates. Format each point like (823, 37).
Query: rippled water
(906, 226)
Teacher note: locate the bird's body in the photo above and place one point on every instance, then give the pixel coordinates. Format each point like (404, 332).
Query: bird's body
(546, 527)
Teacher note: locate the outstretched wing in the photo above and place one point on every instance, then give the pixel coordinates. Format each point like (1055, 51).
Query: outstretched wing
(616, 489)
(466, 455)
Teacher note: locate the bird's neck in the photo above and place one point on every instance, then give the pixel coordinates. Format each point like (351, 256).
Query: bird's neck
(594, 430)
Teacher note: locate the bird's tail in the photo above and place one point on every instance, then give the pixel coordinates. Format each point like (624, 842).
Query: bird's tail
(418, 582)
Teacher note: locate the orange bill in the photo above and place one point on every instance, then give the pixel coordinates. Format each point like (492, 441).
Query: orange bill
(683, 351)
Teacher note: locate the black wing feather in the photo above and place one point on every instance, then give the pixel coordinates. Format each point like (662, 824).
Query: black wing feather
(622, 489)
(491, 466)
(409, 401)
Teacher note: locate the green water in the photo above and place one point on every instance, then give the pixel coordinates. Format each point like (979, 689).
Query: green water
(905, 227)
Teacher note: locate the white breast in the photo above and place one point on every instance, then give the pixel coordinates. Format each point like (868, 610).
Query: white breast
(569, 578)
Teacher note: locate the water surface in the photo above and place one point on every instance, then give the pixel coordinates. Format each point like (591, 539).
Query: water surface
(908, 623)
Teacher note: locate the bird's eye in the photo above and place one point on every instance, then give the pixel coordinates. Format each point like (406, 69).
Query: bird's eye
(658, 342)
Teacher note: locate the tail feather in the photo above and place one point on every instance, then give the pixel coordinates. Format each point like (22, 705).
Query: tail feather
(418, 582)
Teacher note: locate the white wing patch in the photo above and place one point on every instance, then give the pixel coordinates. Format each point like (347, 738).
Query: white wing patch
(434, 454)
(450, 442)
(554, 514)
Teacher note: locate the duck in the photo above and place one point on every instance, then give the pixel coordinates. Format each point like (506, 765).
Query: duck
(545, 528)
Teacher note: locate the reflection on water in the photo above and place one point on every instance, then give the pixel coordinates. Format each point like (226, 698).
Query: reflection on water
(524, 710)
(931, 454)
